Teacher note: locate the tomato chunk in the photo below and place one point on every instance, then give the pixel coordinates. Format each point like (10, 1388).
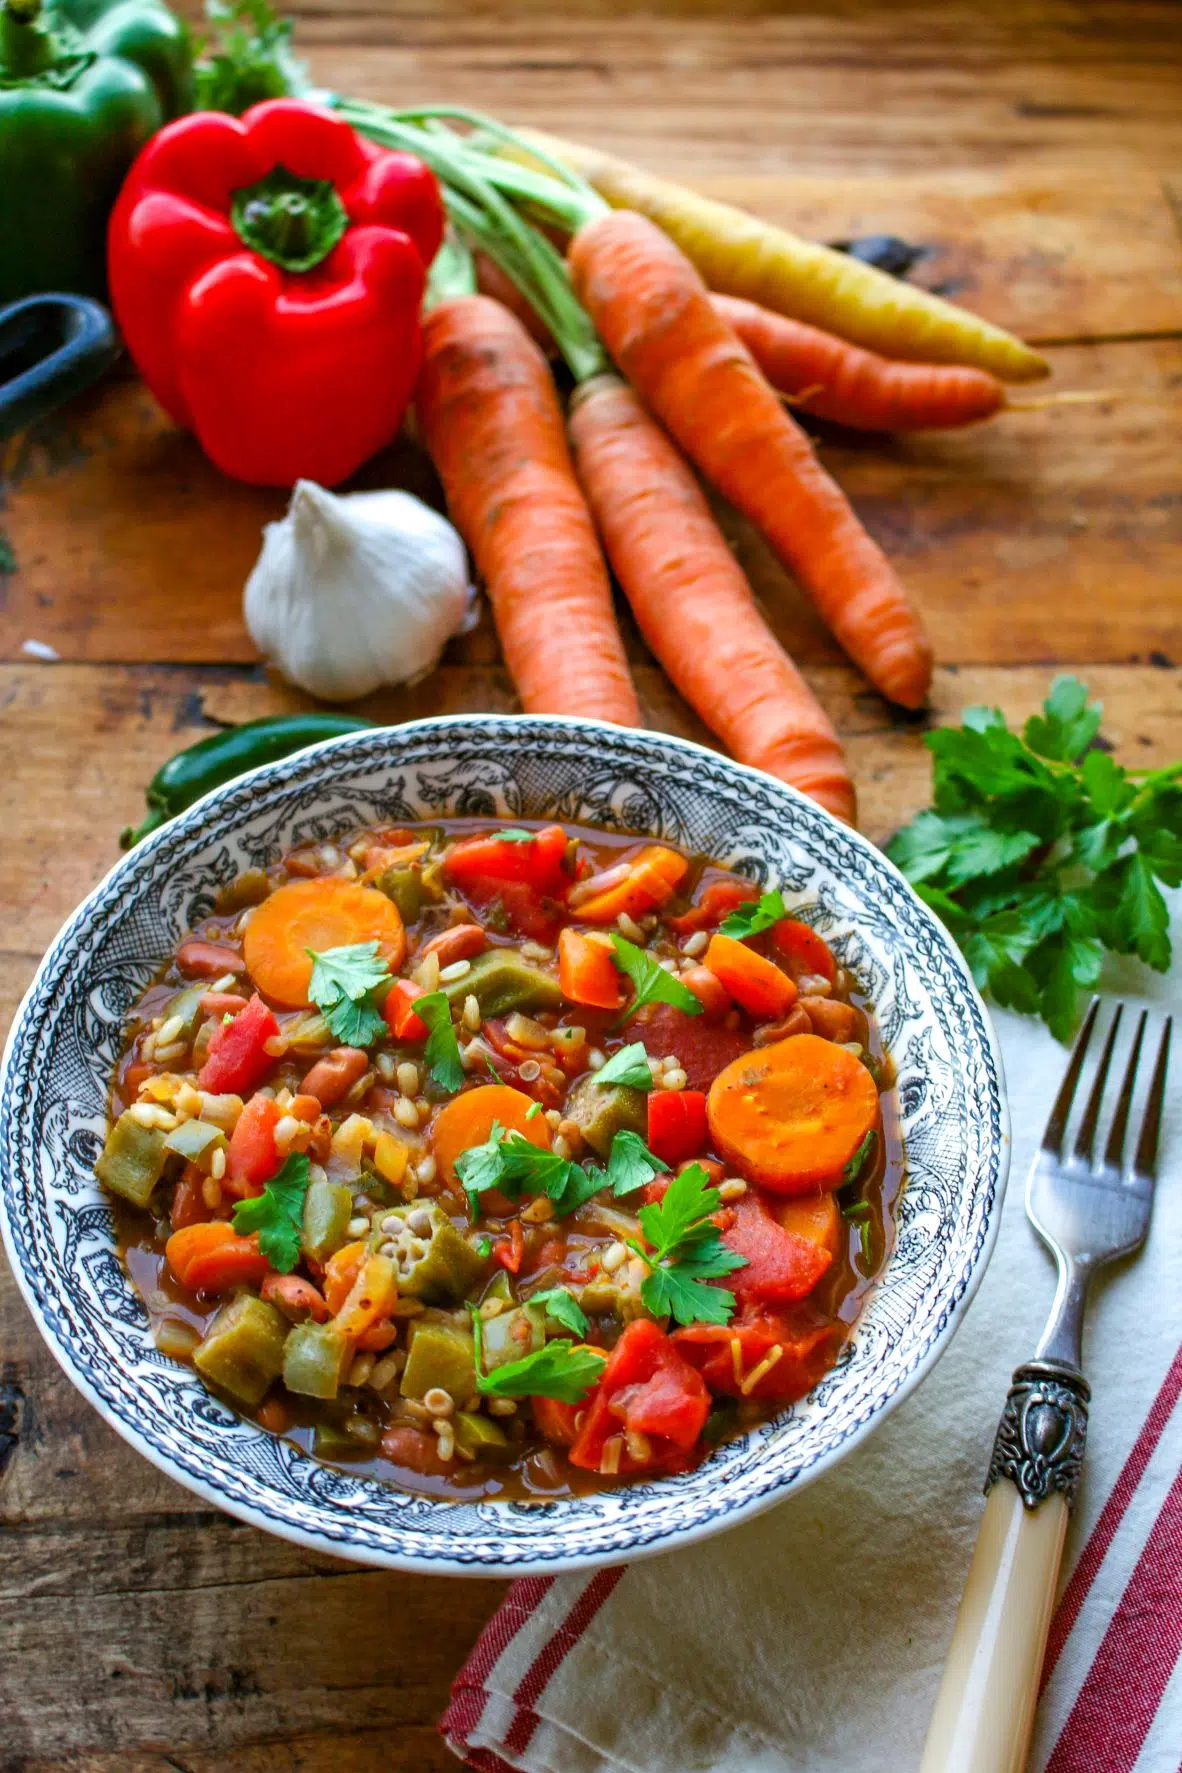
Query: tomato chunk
(676, 1124)
(538, 861)
(781, 1267)
(704, 1047)
(728, 1356)
(716, 900)
(398, 1011)
(803, 950)
(237, 1061)
(647, 1388)
(252, 1158)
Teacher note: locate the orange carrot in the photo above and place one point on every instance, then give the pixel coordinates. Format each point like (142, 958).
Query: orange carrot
(816, 1217)
(692, 600)
(839, 381)
(587, 972)
(654, 313)
(369, 1299)
(635, 886)
(340, 1274)
(211, 1258)
(791, 1116)
(467, 1120)
(324, 913)
(490, 418)
(755, 983)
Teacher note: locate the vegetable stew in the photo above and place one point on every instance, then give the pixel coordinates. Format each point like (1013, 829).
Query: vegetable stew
(503, 1160)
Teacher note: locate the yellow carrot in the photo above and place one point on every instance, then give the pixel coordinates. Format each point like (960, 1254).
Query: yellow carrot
(740, 255)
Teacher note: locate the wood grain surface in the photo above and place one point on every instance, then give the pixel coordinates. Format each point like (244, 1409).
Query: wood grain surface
(1035, 151)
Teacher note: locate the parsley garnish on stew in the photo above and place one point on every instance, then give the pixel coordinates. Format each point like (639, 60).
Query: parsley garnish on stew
(652, 983)
(559, 1370)
(1039, 852)
(687, 1251)
(760, 914)
(564, 1308)
(510, 1163)
(277, 1214)
(513, 834)
(442, 1052)
(629, 1066)
(342, 985)
(857, 1163)
(630, 1163)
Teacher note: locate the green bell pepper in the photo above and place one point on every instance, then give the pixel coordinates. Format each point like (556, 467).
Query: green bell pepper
(83, 84)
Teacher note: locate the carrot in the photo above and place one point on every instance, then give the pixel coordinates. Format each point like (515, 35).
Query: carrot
(490, 418)
(803, 950)
(467, 1120)
(369, 1299)
(211, 1258)
(816, 1217)
(692, 600)
(324, 913)
(791, 1116)
(755, 983)
(839, 381)
(635, 886)
(744, 256)
(654, 314)
(340, 1273)
(586, 971)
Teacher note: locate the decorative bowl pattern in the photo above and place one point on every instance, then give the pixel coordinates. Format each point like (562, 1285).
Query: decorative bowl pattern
(58, 1227)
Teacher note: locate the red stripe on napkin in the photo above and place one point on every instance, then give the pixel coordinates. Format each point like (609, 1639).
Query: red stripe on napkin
(550, 1657)
(1117, 1703)
(1111, 1515)
(468, 1694)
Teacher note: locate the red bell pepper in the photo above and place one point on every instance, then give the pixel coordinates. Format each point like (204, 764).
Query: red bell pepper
(646, 1389)
(266, 273)
(399, 1013)
(252, 1158)
(237, 1060)
(803, 950)
(537, 860)
(781, 1265)
(676, 1124)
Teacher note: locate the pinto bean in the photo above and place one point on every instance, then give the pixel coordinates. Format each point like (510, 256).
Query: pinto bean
(834, 1020)
(461, 942)
(296, 1298)
(208, 960)
(795, 1022)
(334, 1076)
(217, 1004)
(710, 992)
(410, 1447)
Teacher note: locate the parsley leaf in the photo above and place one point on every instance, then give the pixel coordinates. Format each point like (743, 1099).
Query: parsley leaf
(687, 1250)
(1040, 852)
(630, 1163)
(860, 1158)
(251, 60)
(564, 1308)
(442, 1052)
(277, 1214)
(629, 1066)
(759, 914)
(481, 1166)
(653, 984)
(559, 1370)
(342, 985)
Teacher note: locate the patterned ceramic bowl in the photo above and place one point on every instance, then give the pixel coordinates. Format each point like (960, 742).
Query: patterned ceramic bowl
(58, 1228)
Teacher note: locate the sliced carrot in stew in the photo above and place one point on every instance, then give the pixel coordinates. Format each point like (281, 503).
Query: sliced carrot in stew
(467, 1120)
(758, 985)
(369, 1298)
(212, 1258)
(340, 1273)
(649, 878)
(802, 949)
(816, 1217)
(791, 1116)
(318, 914)
(587, 972)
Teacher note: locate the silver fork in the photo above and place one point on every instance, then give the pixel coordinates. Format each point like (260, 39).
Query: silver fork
(1087, 1214)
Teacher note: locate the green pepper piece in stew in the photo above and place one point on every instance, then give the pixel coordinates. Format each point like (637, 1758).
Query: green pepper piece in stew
(328, 1208)
(501, 980)
(133, 1160)
(242, 1351)
(440, 1355)
(313, 1358)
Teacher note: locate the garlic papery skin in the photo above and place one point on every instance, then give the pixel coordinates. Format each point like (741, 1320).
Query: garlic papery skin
(353, 591)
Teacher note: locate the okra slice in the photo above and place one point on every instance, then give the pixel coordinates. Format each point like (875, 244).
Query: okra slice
(313, 1360)
(133, 1160)
(435, 1262)
(501, 979)
(439, 1355)
(479, 1435)
(513, 1334)
(328, 1208)
(196, 1141)
(603, 1110)
(242, 1351)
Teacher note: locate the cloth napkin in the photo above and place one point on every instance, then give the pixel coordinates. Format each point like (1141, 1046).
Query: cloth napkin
(812, 1639)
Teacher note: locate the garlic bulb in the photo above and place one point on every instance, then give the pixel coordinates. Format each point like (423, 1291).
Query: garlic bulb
(357, 590)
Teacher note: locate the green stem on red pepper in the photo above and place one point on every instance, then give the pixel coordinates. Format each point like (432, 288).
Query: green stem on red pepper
(293, 222)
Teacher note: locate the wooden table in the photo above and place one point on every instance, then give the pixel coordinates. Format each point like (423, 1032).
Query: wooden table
(1036, 149)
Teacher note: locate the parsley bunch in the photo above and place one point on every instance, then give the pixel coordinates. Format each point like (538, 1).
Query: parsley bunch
(687, 1251)
(1040, 852)
(277, 1214)
(558, 1369)
(248, 59)
(510, 1163)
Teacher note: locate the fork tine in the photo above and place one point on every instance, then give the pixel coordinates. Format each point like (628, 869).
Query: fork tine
(1086, 1136)
(1114, 1150)
(1052, 1139)
(1145, 1161)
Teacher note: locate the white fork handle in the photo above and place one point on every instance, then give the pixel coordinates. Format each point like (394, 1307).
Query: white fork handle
(985, 1708)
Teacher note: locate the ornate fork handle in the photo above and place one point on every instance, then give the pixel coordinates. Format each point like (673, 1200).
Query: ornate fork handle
(1040, 1439)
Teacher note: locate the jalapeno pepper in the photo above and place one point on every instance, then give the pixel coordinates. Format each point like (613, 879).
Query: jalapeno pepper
(230, 753)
